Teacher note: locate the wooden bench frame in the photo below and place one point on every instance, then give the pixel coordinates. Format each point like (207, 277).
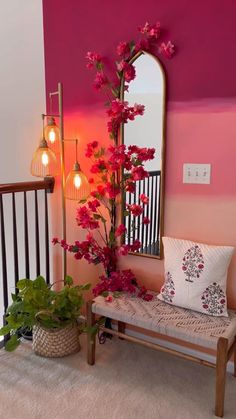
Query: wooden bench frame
(223, 354)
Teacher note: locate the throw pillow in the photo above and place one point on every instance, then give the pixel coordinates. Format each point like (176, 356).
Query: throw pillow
(195, 275)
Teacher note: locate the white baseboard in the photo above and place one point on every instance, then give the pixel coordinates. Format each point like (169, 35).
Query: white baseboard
(166, 344)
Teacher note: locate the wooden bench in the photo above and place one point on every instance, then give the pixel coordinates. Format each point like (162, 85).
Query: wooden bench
(217, 333)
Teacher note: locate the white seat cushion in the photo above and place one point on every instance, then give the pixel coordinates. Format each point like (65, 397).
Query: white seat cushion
(176, 322)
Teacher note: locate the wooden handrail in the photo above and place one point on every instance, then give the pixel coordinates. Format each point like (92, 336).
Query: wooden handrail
(47, 184)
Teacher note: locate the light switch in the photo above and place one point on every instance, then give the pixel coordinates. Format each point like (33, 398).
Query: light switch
(196, 173)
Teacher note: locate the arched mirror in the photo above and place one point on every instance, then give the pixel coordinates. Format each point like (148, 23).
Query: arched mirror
(148, 88)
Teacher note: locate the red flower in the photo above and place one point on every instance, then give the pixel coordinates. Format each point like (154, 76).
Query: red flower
(144, 199)
(90, 148)
(99, 166)
(93, 205)
(123, 49)
(109, 299)
(167, 49)
(93, 59)
(120, 230)
(100, 80)
(112, 189)
(138, 173)
(130, 187)
(135, 209)
(135, 246)
(146, 220)
(55, 240)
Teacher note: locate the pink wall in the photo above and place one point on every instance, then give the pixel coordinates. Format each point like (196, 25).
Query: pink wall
(201, 108)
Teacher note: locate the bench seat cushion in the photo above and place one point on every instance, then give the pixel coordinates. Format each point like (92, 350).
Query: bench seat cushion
(158, 316)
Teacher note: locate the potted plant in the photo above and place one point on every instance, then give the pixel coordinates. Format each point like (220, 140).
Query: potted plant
(51, 315)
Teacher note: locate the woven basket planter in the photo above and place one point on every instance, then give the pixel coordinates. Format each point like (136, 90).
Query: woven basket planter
(54, 343)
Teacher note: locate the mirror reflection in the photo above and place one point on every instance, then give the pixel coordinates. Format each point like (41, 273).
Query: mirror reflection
(148, 88)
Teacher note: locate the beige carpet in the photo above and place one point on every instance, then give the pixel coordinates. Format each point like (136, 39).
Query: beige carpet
(127, 382)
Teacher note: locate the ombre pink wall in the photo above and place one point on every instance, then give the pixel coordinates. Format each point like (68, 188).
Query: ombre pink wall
(201, 110)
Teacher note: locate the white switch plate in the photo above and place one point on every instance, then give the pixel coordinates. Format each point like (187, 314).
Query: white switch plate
(196, 173)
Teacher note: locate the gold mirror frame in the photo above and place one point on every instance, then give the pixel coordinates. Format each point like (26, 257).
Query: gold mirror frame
(162, 153)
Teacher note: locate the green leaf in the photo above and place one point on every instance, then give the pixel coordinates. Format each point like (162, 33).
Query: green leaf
(5, 330)
(85, 287)
(82, 201)
(23, 283)
(12, 343)
(97, 216)
(132, 46)
(117, 294)
(68, 280)
(40, 282)
(125, 213)
(105, 293)
(14, 297)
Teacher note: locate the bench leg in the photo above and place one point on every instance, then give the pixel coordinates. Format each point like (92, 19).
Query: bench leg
(221, 363)
(235, 360)
(121, 328)
(91, 337)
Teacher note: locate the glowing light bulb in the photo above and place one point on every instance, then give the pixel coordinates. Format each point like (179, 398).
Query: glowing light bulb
(77, 181)
(45, 159)
(52, 136)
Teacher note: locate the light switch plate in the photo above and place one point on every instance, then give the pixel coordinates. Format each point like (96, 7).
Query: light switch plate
(197, 173)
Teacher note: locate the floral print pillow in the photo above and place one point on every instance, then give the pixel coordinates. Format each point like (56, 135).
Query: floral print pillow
(195, 276)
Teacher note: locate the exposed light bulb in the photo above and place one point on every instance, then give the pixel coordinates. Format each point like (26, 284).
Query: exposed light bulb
(77, 181)
(45, 159)
(52, 136)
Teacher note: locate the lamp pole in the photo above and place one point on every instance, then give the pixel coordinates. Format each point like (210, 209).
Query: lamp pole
(63, 201)
(60, 115)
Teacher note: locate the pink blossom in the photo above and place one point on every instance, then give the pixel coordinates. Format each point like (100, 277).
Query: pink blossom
(167, 49)
(120, 230)
(100, 80)
(112, 189)
(144, 199)
(93, 59)
(99, 166)
(123, 49)
(90, 148)
(100, 191)
(84, 218)
(130, 187)
(123, 250)
(135, 209)
(109, 299)
(138, 173)
(135, 246)
(143, 45)
(151, 31)
(93, 205)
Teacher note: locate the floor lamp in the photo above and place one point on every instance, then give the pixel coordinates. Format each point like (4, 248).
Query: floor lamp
(44, 162)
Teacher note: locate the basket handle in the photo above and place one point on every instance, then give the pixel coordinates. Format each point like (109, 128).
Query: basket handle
(48, 313)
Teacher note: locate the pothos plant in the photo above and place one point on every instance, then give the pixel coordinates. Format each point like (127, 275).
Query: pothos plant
(115, 169)
(36, 303)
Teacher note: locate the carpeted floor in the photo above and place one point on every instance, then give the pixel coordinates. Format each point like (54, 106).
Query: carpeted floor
(127, 382)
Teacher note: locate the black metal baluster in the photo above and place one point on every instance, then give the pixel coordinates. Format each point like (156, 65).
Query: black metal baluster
(155, 221)
(15, 242)
(129, 220)
(147, 215)
(47, 240)
(4, 261)
(159, 208)
(143, 192)
(139, 221)
(37, 248)
(26, 234)
(151, 203)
